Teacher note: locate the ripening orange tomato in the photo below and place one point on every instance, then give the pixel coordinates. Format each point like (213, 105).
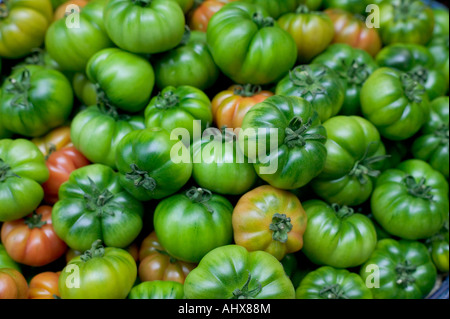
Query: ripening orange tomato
(12, 284)
(54, 140)
(230, 106)
(44, 286)
(32, 240)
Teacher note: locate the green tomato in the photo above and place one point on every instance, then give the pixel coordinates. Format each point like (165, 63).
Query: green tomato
(97, 130)
(317, 84)
(312, 4)
(35, 100)
(355, 157)
(89, 35)
(353, 66)
(396, 104)
(432, 145)
(441, 22)
(276, 9)
(353, 6)
(231, 272)
(93, 205)
(157, 289)
(147, 166)
(330, 283)
(405, 21)
(190, 224)
(289, 130)
(185, 5)
(337, 236)
(190, 63)
(249, 46)
(22, 170)
(84, 90)
(163, 21)
(222, 158)
(438, 245)
(290, 264)
(6, 261)
(411, 201)
(439, 48)
(183, 107)
(125, 80)
(99, 273)
(399, 270)
(23, 26)
(417, 61)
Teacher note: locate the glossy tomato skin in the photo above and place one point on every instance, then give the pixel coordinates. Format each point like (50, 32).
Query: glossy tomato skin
(352, 164)
(275, 9)
(6, 261)
(396, 104)
(93, 194)
(289, 129)
(22, 170)
(164, 21)
(156, 264)
(411, 201)
(217, 154)
(438, 246)
(336, 236)
(439, 48)
(90, 38)
(12, 284)
(230, 106)
(312, 31)
(263, 52)
(183, 107)
(417, 61)
(190, 63)
(53, 141)
(23, 26)
(146, 167)
(96, 132)
(231, 272)
(318, 84)
(157, 290)
(60, 164)
(32, 241)
(61, 10)
(84, 90)
(44, 286)
(353, 66)
(199, 17)
(103, 273)
(191, 224)
(331, 283)
(432, 145)
(353, 6)
(409, 21)
(126, 79)
(35, 100)
(405, 270)
(352, 30)
(270, 220)
(185, 5)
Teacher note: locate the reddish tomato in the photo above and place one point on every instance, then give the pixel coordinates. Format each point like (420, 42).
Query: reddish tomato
(352, 30)
(61, 11)
(32, 240)
(200, 16)
(44, 286)
(12, 284)
(53, 141)
(230, 106)
(156, 264)
(60, 164)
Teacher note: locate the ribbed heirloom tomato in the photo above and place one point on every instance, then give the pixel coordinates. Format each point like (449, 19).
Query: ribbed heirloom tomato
(12, 284)
(44, 286)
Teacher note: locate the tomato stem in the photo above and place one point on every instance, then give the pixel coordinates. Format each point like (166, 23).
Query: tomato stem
(405, 271)
(303, 77)
(5, 171)
(442, 132)
(20, 88)
(97, 200)
(247, 90)
(281, 225)
(97, 250)
(357, 73)
(262, 22)
(413, 89)
(142, 3)
(35, 221)
(342, 211)
(333, 292)
(420, 75)
(201, 196)
(141, 178)
(302, 9)
(362, 167)
(167, 100)
(244, 293)
(419, 189)
(297, 133)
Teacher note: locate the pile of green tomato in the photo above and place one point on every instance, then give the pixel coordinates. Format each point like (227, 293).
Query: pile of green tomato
(223, 149)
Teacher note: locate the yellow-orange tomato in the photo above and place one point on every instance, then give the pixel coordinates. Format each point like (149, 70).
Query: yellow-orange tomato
(269, 219)
(230, 106)
(200, 16)
(157, 264)
(352, 30)
(32, 240)
(44, 286)
(61, 11)
(54, 140)
(12, 284)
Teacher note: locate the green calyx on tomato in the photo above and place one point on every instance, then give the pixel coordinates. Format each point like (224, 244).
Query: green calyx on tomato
(363, 167)
(281, 225)
(97, 251)
(245, 293)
